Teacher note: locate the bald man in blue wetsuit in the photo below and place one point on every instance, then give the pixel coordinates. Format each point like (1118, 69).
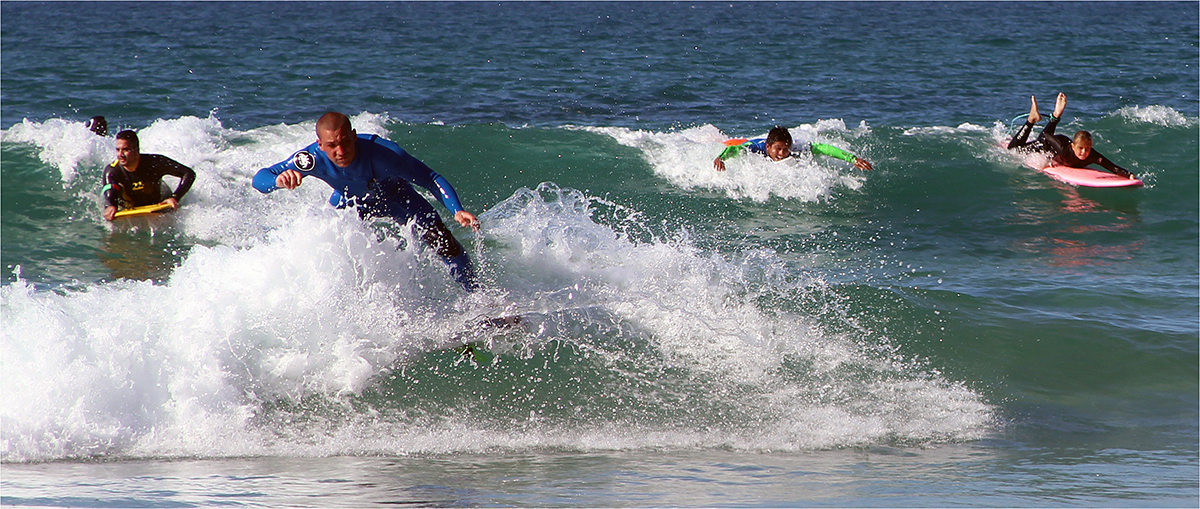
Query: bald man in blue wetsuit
(374, 175)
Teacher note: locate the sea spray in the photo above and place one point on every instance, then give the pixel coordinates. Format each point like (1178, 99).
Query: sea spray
(685, 158)
(321, 310)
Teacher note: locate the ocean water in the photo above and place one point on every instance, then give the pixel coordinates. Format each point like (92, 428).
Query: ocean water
(949, 329)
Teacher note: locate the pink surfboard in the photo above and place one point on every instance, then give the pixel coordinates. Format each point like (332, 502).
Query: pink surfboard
(1088, 177)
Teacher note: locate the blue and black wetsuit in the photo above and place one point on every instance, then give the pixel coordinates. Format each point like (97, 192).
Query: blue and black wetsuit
(377, 183)
(1060, 146)
(759, 146)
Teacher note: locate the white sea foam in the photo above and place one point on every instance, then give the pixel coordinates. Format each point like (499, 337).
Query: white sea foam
(63, 144)
(685, 158)
(288, 299)
(1158, 115)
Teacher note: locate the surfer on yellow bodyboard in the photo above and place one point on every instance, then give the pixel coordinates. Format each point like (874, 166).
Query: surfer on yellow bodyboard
(133, 183)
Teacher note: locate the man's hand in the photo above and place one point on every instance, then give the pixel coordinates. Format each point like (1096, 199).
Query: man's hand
(719, 164)
(172, 202)
(862, 164)
(467, 219)
(109, 212)
(289, 179)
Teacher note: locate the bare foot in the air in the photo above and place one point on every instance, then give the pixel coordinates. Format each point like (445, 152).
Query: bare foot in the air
(1060, 104)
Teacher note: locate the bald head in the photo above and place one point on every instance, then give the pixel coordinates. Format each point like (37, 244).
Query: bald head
(333, 121)
(337, 139)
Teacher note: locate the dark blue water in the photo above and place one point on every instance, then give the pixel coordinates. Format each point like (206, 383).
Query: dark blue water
(951, 328)
(611, 64)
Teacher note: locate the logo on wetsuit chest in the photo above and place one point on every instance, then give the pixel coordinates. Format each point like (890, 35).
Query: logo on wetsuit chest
(304, 161)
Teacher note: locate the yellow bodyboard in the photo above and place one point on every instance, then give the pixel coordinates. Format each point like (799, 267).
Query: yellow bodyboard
(141, 211)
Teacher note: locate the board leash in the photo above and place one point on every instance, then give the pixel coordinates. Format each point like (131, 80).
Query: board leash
(1012, 124)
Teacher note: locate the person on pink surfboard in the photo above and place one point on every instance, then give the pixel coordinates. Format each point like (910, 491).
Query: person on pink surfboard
(1072, 152)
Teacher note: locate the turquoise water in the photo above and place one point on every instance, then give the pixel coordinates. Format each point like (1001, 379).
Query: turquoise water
(951, 328)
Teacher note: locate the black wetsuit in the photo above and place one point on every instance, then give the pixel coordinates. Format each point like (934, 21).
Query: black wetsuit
(124, 188)
(1060, 146)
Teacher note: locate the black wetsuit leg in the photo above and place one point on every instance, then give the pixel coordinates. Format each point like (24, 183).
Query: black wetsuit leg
(438, 237)
(1020, 140)
(433, 232)
(404, 206)
(1045, 140)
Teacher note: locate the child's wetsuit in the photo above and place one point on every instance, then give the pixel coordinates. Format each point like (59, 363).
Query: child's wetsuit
(1060, 146)
(759, 146)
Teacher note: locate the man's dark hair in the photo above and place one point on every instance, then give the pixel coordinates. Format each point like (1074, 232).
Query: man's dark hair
(128, 135)
(779, 134)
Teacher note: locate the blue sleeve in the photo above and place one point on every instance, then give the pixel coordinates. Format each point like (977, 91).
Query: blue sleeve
(413, 170)
(445, 194)
(264, 180)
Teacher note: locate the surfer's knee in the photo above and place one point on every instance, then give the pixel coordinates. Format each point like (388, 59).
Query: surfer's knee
(437, 236)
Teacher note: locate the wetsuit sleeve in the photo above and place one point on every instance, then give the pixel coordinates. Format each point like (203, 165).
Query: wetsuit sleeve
(445, 193)
(264, 180)
(401, 164)
(832, 151)
(1097, 158)
(112, 186)
(187, 176)
(733, 151)
(424, 176)
(337, 199)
